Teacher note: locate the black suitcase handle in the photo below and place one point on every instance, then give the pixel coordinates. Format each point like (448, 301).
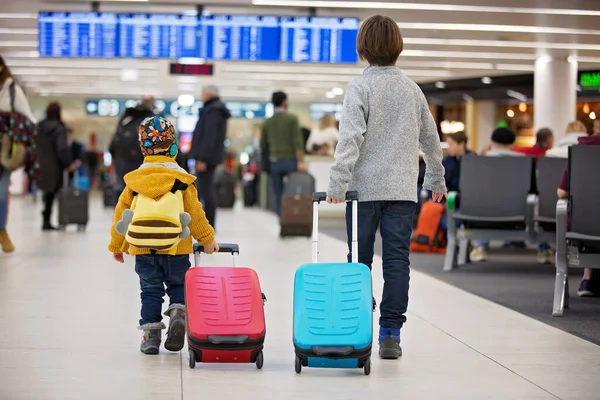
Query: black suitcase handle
(230, 248)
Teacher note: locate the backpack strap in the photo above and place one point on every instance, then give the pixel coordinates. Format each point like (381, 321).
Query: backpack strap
(178, 185)
(11, 91)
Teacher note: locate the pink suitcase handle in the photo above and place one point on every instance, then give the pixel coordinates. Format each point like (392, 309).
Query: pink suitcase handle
(230, 248)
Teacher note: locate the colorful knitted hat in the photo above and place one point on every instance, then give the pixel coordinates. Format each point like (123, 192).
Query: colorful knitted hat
(158, 137)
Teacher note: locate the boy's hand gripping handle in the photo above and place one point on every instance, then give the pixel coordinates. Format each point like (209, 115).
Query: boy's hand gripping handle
(231, 248)
(318, 197)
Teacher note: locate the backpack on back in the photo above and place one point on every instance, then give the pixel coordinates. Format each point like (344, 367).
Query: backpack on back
(127, 139)
(429, 237)
(156, 224)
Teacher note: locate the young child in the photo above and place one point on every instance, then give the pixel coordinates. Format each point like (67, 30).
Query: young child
(159, 176)
(385, 119)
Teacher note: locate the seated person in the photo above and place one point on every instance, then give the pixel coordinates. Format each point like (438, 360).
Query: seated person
(544, 142)
(586, 288)
(502, 141)
(325, 136)
(457, 148)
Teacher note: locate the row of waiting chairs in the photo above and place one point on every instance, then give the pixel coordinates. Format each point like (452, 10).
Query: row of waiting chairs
(514, 199)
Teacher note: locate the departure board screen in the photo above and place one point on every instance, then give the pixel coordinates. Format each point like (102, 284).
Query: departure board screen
(77, 34)
(158, 36)
(318, 39)
(239, 37)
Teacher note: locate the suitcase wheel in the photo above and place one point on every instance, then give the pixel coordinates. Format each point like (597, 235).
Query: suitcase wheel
(367, 366)
(259, 360)
(298, 365)
(192, 359)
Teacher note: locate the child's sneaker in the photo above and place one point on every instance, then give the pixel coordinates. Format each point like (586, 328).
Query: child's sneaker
(151, 338)
(389, 343)
(176, 332)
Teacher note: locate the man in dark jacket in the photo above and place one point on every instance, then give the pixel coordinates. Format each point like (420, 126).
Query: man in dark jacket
(208, 147)
(125, 147)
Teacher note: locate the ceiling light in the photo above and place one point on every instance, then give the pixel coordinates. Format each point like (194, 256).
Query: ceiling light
(586, 108)
(185, 100)
(191, 60)
(468, 54)
(422, 7)
(18, 31)
(486, 80)
(330, 95)
(522, 107)
(516, 95)
(510, 113)
(500, 43)
(337, 91)
(496, 28)
(16, 43)
(440, 85)
(18, 16)
(592, 115)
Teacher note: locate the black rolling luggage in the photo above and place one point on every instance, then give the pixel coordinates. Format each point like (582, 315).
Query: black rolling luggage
(225, 183)
(73, 208)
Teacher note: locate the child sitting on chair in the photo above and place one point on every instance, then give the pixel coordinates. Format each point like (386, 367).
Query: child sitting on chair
(156, 217)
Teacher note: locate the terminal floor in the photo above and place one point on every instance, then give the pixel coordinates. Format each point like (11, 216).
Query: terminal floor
(511, 278)
(70, 315)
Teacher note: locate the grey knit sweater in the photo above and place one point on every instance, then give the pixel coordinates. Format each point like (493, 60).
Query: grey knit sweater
(385, 120)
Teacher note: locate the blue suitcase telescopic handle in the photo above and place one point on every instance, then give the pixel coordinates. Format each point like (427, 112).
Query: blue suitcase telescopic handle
(231, 248)
(351, 195)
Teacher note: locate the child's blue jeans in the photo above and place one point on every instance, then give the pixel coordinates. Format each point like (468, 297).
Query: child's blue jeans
(160, 274)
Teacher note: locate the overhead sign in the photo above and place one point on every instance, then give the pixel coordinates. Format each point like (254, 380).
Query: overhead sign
(318, 110)
(116, 107)
(589, 80)
(191, 69)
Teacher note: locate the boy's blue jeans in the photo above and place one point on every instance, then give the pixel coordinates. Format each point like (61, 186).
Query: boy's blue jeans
(156, 273)
(395, 220)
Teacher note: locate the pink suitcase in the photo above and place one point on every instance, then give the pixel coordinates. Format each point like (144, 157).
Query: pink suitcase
(225, 313)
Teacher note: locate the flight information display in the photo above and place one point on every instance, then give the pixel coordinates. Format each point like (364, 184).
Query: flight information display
(78, 34)
(158, 36)
(239, 37)
(318, 39)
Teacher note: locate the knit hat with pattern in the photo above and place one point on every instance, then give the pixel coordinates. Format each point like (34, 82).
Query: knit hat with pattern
(158, 137)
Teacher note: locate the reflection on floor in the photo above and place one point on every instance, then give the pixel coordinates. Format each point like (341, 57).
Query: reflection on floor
(71, 313)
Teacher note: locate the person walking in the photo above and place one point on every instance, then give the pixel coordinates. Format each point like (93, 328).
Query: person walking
(208, 147)
(385, 121)
(124, 146)
(12, 99)
(54, 157)
(282, 142)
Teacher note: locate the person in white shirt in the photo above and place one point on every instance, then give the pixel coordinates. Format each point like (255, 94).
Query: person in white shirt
(574, 131)
(19, 105)
(323, 139)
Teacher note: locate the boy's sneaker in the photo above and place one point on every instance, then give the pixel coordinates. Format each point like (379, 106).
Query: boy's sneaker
(176, 332)
(389, 344)
(478, 254)
(585, 289)
(151, 338)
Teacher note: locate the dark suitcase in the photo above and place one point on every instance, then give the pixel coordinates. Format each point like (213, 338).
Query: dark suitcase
(296, 217)
(73, 208)
(225, 183)
(109, 195)
(251, 186)
(300, 183)
(225, 313)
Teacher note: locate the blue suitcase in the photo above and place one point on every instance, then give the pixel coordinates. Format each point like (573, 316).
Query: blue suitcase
(333, 309)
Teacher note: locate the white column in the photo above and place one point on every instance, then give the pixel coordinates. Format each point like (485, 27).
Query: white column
(555, 94)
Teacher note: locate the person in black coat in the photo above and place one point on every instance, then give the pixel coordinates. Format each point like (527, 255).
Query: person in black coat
(54, 158)
(208, 147)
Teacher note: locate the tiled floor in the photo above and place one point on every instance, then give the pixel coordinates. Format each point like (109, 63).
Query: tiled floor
(70, 315)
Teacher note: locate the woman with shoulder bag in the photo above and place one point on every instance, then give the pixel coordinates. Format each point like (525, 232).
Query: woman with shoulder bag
(12, 100)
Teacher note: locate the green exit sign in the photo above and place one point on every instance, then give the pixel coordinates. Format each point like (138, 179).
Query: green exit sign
(590, 80)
